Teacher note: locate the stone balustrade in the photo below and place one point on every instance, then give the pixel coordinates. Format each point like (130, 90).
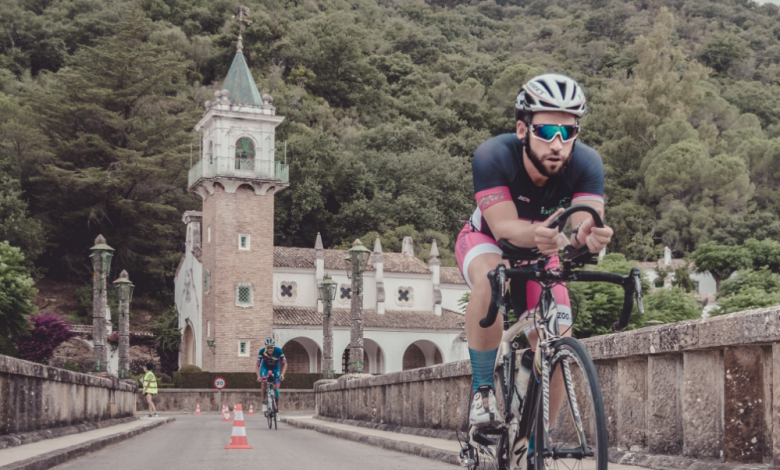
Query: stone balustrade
(35, 397)
(702, 389)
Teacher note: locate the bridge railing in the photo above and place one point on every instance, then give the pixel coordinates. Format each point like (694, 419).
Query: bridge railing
(700, 389)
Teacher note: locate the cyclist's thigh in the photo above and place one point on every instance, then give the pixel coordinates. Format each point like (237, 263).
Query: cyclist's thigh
(263, 371)
(477, 254)
(562, 301)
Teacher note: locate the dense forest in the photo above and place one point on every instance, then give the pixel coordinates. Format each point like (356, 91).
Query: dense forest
(385, 102)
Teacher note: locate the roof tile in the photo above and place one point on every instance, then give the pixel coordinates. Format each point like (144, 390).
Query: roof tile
(402, 319)
(290, 257)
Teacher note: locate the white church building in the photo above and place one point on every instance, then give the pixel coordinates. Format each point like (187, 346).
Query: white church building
(233, 287)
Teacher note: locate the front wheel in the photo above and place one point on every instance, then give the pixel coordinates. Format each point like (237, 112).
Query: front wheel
(270, 409)
(574, 437)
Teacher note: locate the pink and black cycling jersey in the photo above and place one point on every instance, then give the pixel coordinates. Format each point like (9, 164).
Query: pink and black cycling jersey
(499, 175)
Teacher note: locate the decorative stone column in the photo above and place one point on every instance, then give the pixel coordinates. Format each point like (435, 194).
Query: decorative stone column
(327, 345)
(125, 292)
(379, 276)
(101, 263)
(356, 353)
(320, 268)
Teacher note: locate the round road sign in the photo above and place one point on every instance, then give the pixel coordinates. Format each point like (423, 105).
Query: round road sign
(219, 383)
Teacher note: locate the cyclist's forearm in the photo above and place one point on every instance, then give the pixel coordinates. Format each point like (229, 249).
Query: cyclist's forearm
(518, 232)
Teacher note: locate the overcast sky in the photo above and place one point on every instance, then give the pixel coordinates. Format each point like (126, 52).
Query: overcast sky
(776, 2)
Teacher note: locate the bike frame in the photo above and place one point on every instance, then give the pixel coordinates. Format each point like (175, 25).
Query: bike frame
(506, 362)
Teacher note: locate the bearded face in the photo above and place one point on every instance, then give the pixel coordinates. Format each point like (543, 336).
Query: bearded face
(550, 164)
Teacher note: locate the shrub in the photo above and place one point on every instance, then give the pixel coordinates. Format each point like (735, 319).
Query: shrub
(71, 366)
(49, 331)
(190, 368)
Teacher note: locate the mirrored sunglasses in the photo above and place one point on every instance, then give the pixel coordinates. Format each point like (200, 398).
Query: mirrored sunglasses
(547, 132)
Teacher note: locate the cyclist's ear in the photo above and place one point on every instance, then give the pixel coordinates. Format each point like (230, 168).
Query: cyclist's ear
(522, 129)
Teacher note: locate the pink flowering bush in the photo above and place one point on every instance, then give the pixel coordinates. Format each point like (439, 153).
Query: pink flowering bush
(48, 332)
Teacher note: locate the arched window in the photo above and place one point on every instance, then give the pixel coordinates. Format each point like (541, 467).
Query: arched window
(245, 154)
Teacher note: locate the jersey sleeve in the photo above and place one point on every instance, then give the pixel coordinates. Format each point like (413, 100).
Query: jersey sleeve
(260, 355)
(590, 185)
(490, 172)
(280, 355)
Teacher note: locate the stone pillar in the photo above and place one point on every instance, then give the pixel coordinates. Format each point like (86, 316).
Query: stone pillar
(124, 340)
(327, 344)
(632, 403)
(99, 306)
(775, 404)
(702, 404)
(356, 353)
(379, 275)
(664, 404)
(743, 408)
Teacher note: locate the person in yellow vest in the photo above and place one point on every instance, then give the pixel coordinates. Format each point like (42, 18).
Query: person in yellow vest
(150, 387)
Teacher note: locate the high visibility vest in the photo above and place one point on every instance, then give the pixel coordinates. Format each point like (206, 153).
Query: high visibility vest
(152, 381)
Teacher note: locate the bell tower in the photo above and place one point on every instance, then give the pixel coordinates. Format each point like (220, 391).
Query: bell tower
(237, 176)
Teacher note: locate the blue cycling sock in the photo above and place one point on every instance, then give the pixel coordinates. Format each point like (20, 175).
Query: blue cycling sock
(482, 363)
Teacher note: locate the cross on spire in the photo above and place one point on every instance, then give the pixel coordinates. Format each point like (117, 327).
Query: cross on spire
(241, 13)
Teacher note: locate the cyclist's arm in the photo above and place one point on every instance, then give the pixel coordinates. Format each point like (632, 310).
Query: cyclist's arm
(258, 368)
(284, 366)
(502, 219)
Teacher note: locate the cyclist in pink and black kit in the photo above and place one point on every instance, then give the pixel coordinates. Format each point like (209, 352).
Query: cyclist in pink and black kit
(521, 182)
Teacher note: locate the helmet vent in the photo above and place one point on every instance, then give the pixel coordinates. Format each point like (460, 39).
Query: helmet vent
(546, 104)
(562, 87)
(540, 82)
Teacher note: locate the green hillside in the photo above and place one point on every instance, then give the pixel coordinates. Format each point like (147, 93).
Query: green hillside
(385, 103)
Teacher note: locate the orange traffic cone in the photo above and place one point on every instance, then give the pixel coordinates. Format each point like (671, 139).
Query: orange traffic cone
(251, 410)
(238, 436)
(225, 413)
(197, 409)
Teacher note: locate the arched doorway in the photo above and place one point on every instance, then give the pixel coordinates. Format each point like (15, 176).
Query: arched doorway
(303, 355)
(188, 345)
(422, 353)
(375, 355)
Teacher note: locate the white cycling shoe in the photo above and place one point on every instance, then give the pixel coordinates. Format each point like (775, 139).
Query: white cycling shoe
(484, 412)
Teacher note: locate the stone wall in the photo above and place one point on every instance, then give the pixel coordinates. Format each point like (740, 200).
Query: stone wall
(184, 400)
(706, 388)
(35, 397)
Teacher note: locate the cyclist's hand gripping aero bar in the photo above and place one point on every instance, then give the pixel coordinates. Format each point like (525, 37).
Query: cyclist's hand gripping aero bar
(632, 284)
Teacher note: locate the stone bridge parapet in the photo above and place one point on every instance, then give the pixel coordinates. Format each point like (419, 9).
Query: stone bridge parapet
(702, 389)
(35, 397)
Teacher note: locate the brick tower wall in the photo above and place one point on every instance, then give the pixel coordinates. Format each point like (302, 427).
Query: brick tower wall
(228, 215)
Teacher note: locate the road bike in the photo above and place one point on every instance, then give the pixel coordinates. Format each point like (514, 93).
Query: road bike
(577, 437)
(272, 412)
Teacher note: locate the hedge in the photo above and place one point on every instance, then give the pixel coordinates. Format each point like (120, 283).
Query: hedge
(234, 380)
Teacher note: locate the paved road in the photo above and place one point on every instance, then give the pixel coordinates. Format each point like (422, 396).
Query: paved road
(198, 442)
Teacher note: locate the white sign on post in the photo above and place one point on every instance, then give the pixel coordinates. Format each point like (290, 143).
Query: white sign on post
(219, 383)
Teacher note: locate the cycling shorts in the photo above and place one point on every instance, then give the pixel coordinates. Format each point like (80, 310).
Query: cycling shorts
(274, 370)
(471, 244)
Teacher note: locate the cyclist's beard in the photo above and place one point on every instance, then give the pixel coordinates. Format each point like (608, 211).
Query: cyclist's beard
(539, 161)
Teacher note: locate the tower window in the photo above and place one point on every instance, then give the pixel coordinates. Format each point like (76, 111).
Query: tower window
(243, 348)
(245, 154)
(207, 282)
(244, 295)
(243, 241)
(211, 152)
(209, 233)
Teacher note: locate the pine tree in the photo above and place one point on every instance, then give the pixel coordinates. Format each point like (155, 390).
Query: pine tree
(118, 124)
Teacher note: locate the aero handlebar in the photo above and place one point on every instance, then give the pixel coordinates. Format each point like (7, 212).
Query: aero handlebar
(632, 283)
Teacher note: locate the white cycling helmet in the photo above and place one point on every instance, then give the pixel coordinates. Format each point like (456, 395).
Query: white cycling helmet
(270, 342)
(551, 92)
